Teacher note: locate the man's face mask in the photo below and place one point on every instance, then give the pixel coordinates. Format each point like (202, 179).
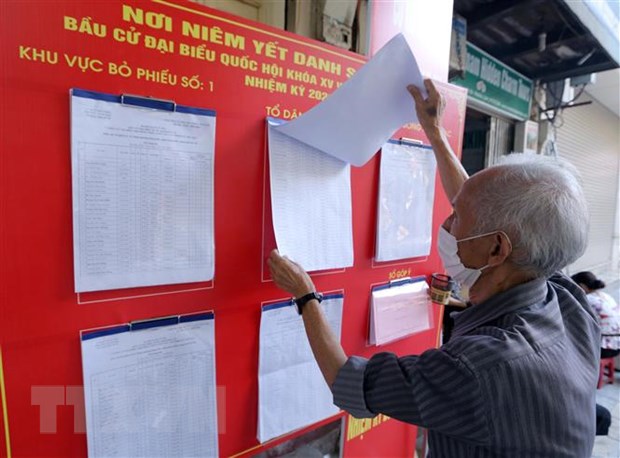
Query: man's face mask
(448, 252)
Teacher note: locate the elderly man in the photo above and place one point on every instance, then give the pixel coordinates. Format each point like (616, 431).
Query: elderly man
(518, 377)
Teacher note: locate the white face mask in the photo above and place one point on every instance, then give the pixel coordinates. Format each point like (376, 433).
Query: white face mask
(448, 252)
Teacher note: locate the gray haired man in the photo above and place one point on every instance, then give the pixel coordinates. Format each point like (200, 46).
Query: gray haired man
(518, 377)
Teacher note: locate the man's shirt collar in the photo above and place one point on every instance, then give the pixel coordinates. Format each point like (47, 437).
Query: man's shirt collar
(503, 303)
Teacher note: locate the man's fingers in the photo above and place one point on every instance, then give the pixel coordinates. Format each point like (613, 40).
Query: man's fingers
(415, 93)
(279, 265)
(431, 88)
(276, 258)
(274, 261)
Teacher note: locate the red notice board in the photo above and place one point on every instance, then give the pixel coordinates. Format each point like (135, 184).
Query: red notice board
(195, 56)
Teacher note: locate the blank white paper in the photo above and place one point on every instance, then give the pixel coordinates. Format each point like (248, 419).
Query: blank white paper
(310, 203)
(152, 392)
(406, 196)
(355, 120)
(142, 195)
(292, 392)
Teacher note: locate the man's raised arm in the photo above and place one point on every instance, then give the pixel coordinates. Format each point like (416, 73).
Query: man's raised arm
(430, 111)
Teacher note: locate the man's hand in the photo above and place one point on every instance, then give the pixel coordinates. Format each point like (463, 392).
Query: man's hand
(429, 110)
(326, 348)
(289, 275)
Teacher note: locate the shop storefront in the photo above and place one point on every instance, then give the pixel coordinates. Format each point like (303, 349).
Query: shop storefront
(498, 99)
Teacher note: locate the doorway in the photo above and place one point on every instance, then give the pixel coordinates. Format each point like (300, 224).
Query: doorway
(475, 141)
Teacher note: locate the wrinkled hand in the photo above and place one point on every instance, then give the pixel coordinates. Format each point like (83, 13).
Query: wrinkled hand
(429, 110)
(289, 275)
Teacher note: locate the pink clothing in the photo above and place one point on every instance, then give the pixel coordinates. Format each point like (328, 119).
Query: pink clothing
(609, 318)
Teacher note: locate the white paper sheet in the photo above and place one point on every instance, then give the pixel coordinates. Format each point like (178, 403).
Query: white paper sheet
(406, 196)
(151, 392)
(292, 392)
(398, 311)
(310, 202)
(354, 121)
(142, 195)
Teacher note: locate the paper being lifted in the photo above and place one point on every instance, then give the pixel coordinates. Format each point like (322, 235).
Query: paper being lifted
(311, 203)
(357, 119)
(292, 392)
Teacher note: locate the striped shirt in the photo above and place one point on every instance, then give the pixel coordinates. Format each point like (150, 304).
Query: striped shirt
(517, 379)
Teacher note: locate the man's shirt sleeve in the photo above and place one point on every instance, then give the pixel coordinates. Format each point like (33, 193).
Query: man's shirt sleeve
(348, 388)
(433, 390)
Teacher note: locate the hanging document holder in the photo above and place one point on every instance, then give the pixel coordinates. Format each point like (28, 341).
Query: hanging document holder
(143, 187)
(399, 309)
(153, 380)
(405, 201)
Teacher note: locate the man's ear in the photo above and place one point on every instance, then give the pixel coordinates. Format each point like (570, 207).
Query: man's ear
(500, 249)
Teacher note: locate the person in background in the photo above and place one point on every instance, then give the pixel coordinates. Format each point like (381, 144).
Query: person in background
(609, 318)
(607, 310)
(603, 420)
(499, 387)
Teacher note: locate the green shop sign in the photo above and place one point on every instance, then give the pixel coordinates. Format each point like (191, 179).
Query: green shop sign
(496, 86)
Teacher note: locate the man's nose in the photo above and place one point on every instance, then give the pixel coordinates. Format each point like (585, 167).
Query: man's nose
(447, 224)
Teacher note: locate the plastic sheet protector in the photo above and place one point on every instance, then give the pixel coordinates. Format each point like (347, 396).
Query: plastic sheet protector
(150, 390)
(399, 309)
(311, 203)
(406, 196)
(142, 191)
(292, 392)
